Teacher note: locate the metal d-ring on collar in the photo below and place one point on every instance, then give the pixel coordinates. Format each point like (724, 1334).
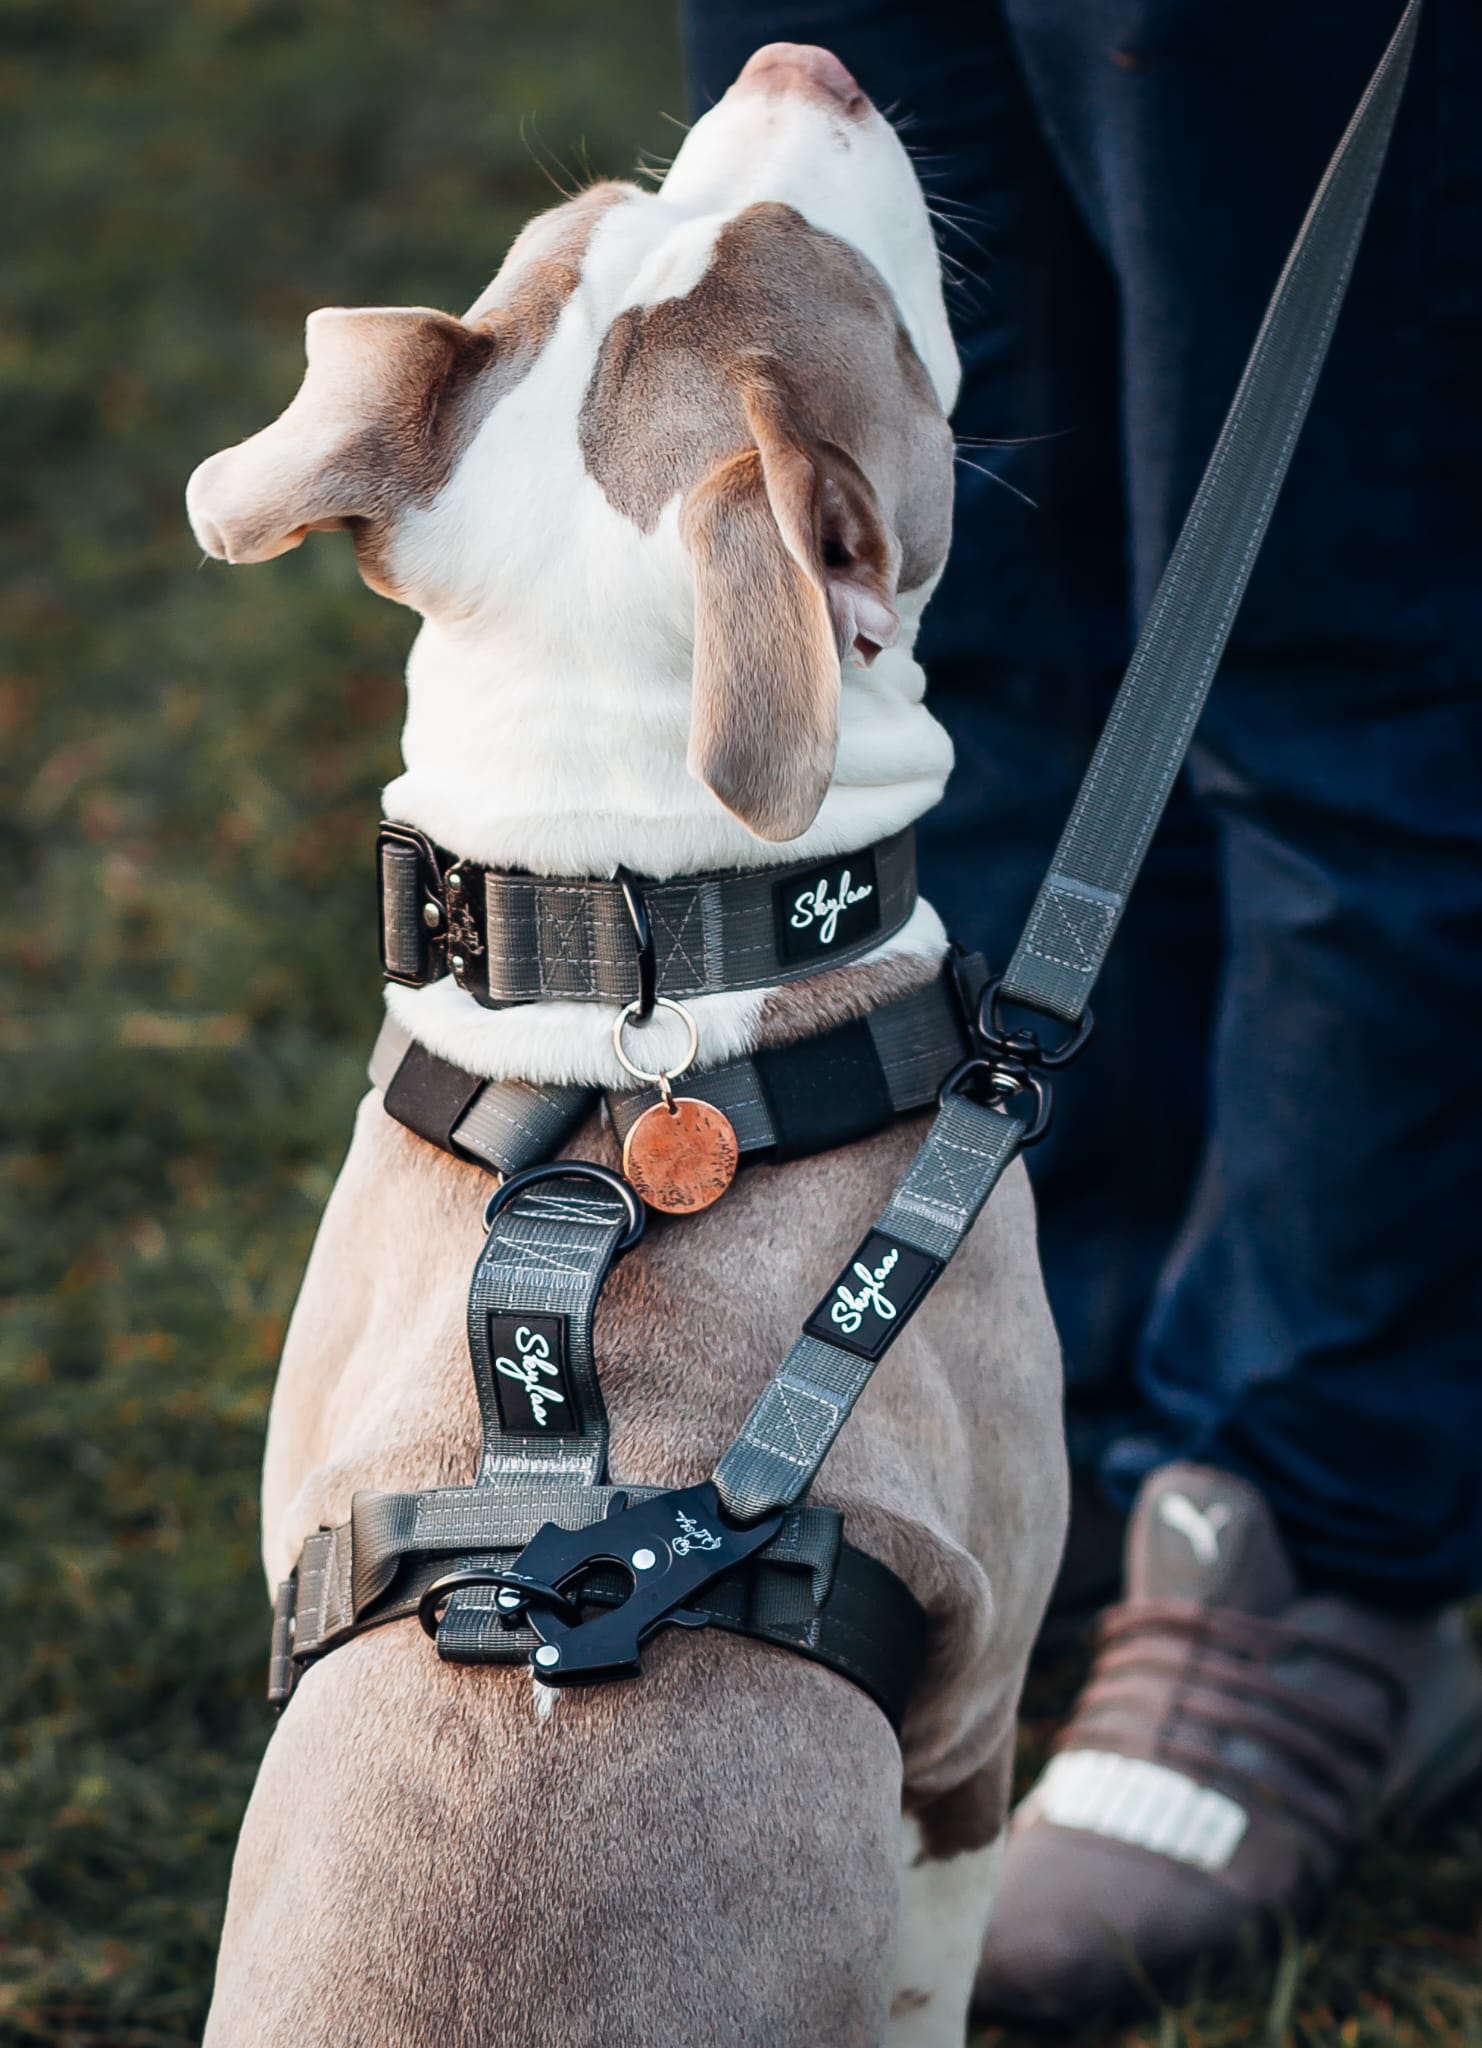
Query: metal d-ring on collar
(660, 1078)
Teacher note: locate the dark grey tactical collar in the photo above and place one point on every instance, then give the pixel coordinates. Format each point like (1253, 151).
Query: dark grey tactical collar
(513, 938)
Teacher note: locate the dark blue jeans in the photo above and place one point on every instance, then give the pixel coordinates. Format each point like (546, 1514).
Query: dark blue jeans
(1261, 1206)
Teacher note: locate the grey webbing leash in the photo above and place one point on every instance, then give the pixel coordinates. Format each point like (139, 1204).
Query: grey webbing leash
(1152, 720)
(788, 1433)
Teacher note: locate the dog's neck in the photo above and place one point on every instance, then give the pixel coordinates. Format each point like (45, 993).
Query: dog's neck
(575, 765)
(526, 756)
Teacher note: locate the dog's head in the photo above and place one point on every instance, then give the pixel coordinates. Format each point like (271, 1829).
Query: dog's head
(708, 422)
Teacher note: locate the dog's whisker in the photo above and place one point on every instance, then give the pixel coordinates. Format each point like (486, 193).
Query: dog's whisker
(1011, 440)
(956, 227)
(994, 477)
(542, 156)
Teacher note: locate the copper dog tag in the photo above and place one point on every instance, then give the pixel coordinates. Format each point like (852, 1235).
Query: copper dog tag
(680, 1156)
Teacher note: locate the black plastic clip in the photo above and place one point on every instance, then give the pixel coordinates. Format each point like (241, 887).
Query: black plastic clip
(1013, 1063)
(672, 1547)
(643, 941)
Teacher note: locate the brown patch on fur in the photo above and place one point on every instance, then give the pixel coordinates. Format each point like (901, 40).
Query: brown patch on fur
(766, 707)
(786, 305)
(801, 1009)
(908, 2001)
(970, 1816)
(506, 331)
(782, 402)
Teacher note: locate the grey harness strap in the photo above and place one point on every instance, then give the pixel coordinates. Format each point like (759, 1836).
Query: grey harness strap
(445, 1553)
(789, 1101)
(1152, 720)
(530, 1310)
(788, 1433)
(806, 1591)
(510, 938)
(504, 1125)
(782, 1103)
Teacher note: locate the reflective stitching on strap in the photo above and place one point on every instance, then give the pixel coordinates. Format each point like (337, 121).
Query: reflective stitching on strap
(1071, 925)
(799, 1416)
(680, 945)
(1128, 1799)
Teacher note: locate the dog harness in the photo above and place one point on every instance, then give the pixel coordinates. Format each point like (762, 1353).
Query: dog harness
(543, 1557)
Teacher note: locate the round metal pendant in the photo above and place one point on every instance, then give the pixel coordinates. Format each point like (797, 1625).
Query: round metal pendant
(681, 1157)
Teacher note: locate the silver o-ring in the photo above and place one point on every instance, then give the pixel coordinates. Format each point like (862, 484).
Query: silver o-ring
(626, 1015)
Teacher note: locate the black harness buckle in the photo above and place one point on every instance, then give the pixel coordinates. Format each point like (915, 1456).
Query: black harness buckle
(672, 1547)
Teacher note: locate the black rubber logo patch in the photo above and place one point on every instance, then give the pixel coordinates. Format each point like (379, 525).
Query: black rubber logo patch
(822, 913)
(528, 1354)
(872, 1299)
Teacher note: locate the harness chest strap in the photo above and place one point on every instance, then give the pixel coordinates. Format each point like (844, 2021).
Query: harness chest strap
(784, 1102)
(511, 938)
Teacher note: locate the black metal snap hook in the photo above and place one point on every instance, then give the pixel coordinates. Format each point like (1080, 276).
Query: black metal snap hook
(573, 1169)
(1024, 1044)
(438, 1594)
(1005, 1078)
(643, 939)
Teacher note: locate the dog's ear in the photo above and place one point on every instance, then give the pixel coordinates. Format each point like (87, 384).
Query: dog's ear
(367, 432)
(795, 573)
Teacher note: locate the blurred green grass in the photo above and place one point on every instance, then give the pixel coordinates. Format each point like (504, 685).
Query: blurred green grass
(189, 766)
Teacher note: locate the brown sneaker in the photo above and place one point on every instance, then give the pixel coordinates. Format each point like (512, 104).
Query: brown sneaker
(1231, 1742)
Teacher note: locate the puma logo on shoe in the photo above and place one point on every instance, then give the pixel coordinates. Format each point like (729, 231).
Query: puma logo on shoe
(1202, 1526)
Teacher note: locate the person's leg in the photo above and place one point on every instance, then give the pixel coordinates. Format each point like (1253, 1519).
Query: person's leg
(1309, 1474)
(1317, 1326)
(1024, 640)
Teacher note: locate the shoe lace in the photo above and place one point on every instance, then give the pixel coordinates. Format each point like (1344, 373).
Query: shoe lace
(1218, 1693)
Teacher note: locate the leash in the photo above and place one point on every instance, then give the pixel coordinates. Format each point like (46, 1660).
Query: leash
(491, 1569)
(1080, 903)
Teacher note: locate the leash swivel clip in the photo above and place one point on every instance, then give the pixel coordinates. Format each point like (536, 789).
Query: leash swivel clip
(1010, 1063)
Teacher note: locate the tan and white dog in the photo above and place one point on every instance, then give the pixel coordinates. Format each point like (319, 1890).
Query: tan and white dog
(671, 497)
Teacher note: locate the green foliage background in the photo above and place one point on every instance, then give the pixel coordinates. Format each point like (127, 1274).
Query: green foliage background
(190, 762)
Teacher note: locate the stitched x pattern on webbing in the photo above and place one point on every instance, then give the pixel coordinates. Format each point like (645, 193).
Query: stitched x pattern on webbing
(803, 1407)
(679, 947)
(564, 932)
